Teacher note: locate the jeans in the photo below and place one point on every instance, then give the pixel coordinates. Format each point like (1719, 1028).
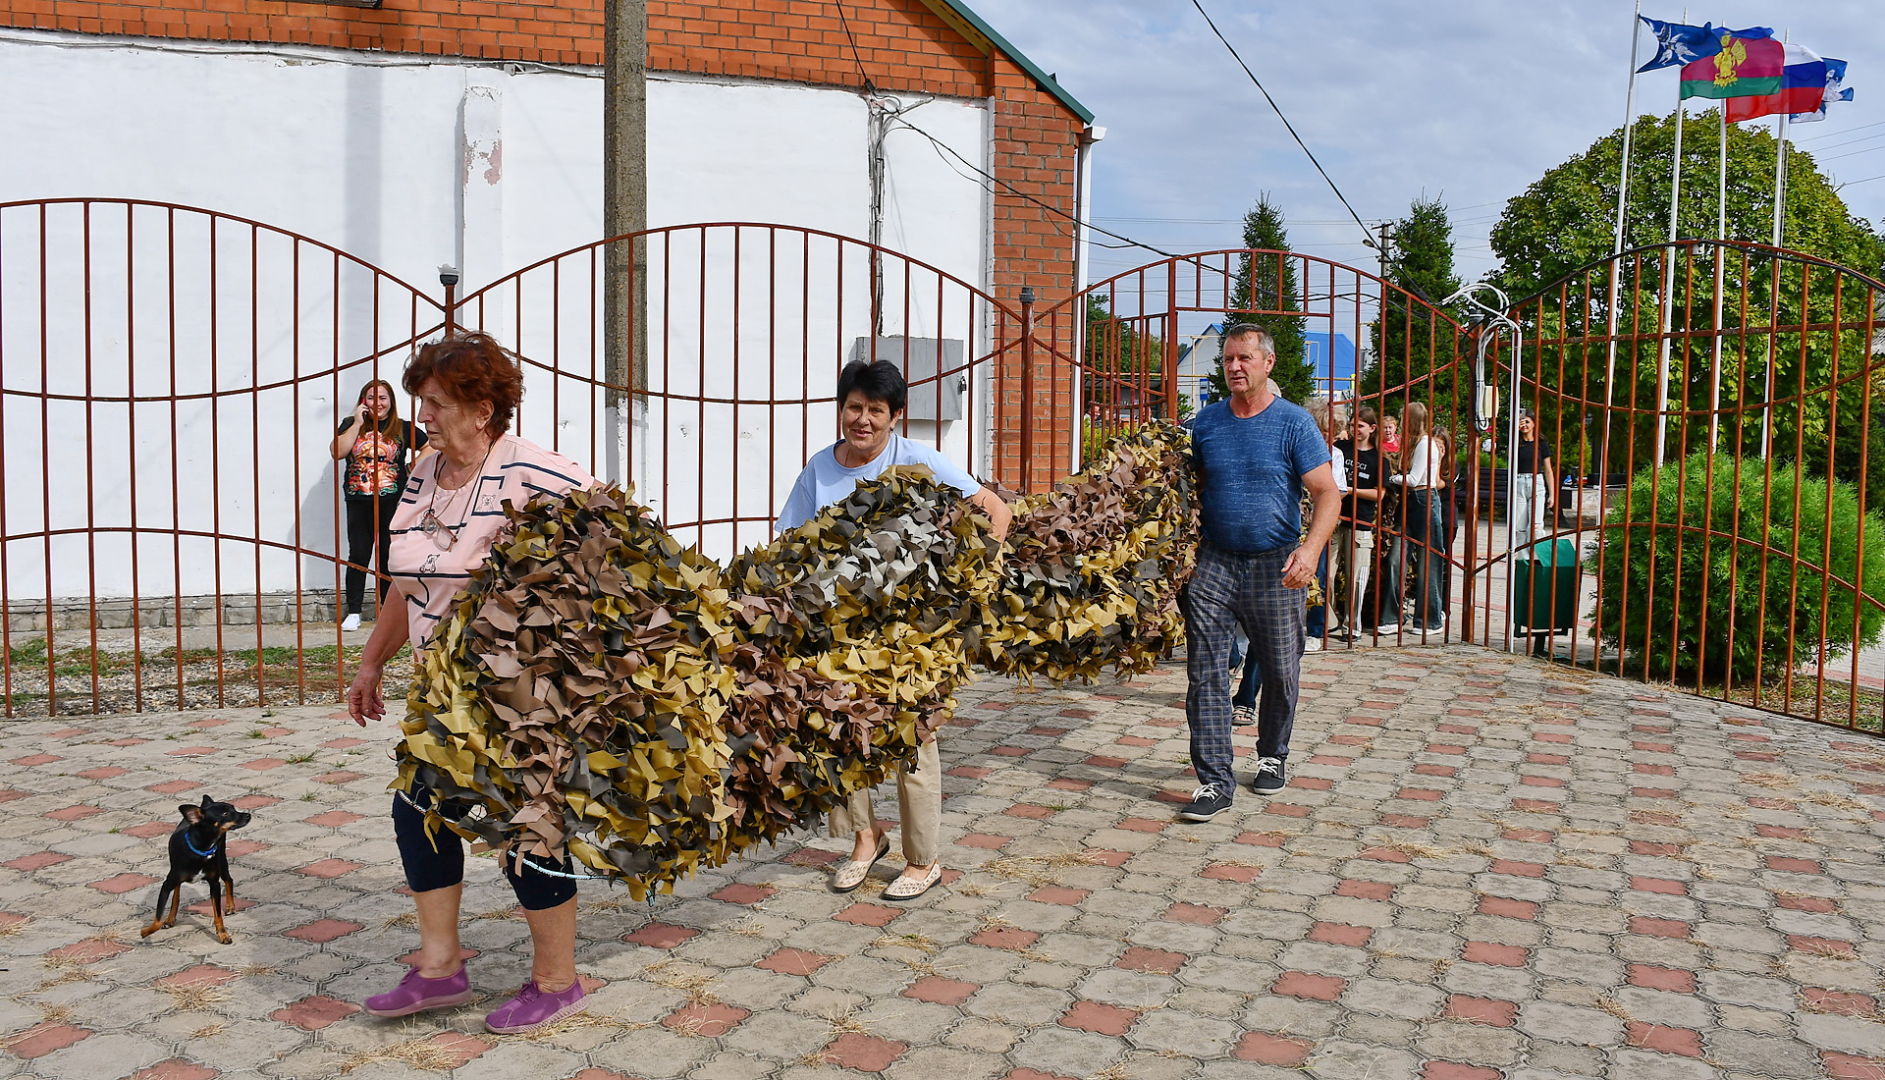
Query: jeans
(1318, 617)
(1528, 513)
(1357, 548)
(1423, 549)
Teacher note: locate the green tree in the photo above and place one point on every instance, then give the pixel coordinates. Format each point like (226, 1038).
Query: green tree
(1124, 363)
(1564, 220)
(1265, 292)
(1555, 239)
(1415, 347)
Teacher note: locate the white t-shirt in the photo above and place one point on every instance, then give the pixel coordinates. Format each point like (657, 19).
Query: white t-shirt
(824, 481)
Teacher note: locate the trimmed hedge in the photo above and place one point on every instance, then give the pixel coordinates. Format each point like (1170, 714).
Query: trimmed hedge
(1729, 532)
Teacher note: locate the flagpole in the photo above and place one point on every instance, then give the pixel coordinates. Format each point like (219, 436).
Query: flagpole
(1668, 289)
(1780, 202)
(1721, 264)
(1616, 242)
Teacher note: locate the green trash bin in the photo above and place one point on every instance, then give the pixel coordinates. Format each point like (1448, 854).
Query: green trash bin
(1544, 588)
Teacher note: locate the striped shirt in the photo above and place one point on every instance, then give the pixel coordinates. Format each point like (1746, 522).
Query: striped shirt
(431, 576)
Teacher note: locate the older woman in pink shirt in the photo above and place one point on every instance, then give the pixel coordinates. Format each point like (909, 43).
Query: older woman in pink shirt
(451, 509)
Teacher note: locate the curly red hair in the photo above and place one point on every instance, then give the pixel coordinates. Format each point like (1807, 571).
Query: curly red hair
(471, 367)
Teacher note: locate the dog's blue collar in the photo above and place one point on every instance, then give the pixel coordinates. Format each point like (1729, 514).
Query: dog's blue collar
(200, 853)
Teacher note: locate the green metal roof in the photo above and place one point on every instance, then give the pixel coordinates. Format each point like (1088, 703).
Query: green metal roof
(1045, 80)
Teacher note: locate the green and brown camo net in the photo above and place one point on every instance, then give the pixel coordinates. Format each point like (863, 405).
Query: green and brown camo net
(602, 691)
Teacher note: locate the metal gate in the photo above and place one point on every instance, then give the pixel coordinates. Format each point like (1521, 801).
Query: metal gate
(170, 379)
(1716, 406)
(1716, 516)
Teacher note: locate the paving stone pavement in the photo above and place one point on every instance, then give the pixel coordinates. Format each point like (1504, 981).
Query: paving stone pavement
(1483, 867)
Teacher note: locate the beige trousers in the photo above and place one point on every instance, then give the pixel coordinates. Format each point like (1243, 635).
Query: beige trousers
(919, 800)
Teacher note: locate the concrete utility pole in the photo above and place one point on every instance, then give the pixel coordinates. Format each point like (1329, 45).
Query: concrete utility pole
(624, 210)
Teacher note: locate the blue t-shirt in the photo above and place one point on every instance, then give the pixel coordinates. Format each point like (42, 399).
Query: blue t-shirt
(824, 481)
(1250, 474)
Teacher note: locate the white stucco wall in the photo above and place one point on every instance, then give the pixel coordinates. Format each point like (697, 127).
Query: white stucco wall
(407, 163)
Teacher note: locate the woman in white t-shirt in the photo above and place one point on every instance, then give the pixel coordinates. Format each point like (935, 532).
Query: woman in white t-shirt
(1422, 537)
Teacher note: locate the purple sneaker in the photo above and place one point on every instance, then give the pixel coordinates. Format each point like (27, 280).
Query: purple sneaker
(532, 1008)
(416, 993)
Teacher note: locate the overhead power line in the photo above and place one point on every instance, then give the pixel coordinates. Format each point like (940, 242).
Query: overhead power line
(943, 148)
(1279, 115)
(869, 87)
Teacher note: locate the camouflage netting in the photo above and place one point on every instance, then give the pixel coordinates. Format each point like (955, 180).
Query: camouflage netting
(600, 690)
(1094, 565)
(575, 698)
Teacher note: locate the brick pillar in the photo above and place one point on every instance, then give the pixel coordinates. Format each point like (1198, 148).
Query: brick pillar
(1036, 145)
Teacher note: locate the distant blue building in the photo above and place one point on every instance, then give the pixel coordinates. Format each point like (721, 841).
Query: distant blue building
(1331, 356)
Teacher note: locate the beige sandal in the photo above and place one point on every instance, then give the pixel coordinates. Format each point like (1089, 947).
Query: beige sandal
(909, 888)
(852, 872)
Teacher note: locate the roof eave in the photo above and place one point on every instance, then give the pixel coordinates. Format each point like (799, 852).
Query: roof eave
(978, 26)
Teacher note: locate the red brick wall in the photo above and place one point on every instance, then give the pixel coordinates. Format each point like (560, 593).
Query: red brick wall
(557, 31)
(903, 45)
(1036, 148)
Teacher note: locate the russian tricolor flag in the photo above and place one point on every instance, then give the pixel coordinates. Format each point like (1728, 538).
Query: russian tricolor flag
(1802, 89)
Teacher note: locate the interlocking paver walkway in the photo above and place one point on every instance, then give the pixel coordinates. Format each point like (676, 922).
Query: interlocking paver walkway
(1483, 867)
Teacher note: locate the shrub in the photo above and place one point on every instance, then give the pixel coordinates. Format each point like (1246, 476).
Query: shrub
(1710, 538)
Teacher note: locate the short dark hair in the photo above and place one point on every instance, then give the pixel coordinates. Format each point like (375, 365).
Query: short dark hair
(471, 367)
(878, 380)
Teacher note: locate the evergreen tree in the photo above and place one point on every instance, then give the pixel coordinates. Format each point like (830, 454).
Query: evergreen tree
(1413, 340)
(1266, 288)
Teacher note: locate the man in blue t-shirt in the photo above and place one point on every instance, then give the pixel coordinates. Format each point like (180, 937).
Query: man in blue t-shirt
(871, 399)
(1255, 454)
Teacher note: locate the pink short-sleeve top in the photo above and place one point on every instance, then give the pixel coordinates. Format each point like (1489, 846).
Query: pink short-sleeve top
(431, 575)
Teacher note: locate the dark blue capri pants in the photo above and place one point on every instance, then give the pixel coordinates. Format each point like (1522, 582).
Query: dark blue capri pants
(438, 861)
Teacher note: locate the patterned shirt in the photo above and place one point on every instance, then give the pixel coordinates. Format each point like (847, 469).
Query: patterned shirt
(376, 463)
(431, 575)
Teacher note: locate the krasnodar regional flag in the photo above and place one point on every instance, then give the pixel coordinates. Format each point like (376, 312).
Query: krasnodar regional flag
(1836, 90)
(1802, 89)
(1680, 43)
(1745, 67)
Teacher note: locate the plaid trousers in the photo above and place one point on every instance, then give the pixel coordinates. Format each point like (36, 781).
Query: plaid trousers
(1228, 590)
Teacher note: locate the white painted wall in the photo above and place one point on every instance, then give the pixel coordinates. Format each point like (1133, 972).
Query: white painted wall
(407, 163)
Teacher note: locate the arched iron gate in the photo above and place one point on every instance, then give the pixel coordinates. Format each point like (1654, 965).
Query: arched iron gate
(172, 378)
(1764, 600)
(746, 326)
(1726, 453)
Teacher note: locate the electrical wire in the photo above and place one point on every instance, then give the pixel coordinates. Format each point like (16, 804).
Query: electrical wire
(869, 87)
(1279, 115)
(943, 148)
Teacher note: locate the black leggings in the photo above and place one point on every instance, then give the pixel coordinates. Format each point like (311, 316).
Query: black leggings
(361, 543)
(438, 861)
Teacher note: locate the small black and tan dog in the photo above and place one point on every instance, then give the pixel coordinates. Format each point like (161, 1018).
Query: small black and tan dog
(200, 846)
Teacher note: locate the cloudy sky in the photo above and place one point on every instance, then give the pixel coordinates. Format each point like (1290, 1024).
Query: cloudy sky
(1470, 100)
